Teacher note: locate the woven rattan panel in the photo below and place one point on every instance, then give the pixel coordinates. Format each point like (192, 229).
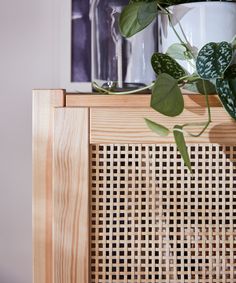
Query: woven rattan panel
(152, 222)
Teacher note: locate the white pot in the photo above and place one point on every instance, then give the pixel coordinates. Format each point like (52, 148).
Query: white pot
(202, 22)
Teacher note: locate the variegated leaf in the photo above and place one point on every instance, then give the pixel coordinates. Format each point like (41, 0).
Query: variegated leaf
(226, 90)
(163, 63)
(213, 59)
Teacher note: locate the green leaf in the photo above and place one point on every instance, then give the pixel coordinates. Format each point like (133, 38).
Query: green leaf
(234, 42)
(226, 90)
(213, 59)
(230, 72)
(147, 13)
(205, 87)
(181, 145)
(166, 96)
(199, 88)
(129, 23)
(157, 128)
(232, 85)
(177, 51)
(163, 63)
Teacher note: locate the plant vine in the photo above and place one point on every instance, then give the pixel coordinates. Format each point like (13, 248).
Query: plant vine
(219, 78)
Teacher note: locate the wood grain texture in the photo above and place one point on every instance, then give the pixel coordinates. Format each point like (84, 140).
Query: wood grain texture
(71, 191)
(136, 100)
(127, 125)
(44, 102)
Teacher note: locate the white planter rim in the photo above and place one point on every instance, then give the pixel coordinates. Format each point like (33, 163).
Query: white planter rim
(204, 3)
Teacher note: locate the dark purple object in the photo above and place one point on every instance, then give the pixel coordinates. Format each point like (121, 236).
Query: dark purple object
(81, 42)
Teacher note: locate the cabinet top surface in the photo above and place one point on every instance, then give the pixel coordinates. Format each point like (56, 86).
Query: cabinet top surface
(134, 100)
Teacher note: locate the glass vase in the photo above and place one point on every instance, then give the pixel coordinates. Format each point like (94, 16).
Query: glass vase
(119, 63)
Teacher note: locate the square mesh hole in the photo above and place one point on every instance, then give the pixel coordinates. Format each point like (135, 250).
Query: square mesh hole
(152, 222)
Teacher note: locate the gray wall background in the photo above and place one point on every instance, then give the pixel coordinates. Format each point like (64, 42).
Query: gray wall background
(28, 59)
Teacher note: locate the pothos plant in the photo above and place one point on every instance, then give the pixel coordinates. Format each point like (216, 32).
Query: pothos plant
(214, 72)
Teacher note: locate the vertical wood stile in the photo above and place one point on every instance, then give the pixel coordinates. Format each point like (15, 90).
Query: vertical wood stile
(155, 199)
(232, 238)
(175, 168)
(44, 102)
(71, 196)
(126, 219)
(111, 214)
(223, 202)
(133, 217)
(148, 205)
(139, 194)
(210, 217)
(103, 199)
(120, 187)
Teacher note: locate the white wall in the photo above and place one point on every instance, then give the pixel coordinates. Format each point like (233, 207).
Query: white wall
(28, 56)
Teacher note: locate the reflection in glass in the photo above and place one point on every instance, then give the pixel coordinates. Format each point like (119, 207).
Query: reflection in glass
(119, 63)
(81, 42)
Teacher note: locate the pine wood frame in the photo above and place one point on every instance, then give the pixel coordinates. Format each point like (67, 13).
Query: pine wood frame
(64, 127)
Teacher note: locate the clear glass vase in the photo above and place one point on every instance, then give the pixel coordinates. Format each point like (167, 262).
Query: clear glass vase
(119, 63)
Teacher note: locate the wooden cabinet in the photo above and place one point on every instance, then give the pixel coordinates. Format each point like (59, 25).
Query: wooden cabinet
(112, 201)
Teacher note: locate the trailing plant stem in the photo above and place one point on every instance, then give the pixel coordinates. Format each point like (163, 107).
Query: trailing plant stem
(207, 102)
(206, 124)
(202, 131)
(176, 33)
(186, 44)
(185, 37)
(193, 78)
(208, 108)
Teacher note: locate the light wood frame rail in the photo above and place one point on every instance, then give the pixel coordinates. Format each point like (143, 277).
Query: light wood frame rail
(69, 131)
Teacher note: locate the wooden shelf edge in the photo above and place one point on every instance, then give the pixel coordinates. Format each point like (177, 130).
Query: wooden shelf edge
(134, 100)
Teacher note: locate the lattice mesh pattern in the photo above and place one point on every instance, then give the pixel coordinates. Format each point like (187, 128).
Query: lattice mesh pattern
(152, 222)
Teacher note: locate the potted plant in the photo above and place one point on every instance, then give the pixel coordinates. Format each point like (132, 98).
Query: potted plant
(197, 23)
(213, 71)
